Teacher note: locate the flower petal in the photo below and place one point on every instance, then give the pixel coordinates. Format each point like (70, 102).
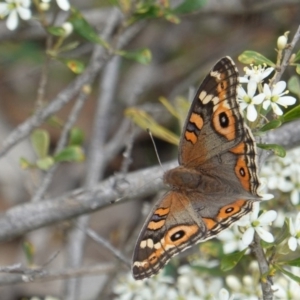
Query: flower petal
(248, 236)
(266, 104)
(267, 217)
(12, 20)
(267, 91)
(251, 88)
(286, 100)
(292, 243)
(279, 88)
(258, 99)
(255, 211)
(251, 113)
(277, 110)
(264, 234)
(295, 196)
(24, 13)
(63, 4)
(4, 9)
(267, 72)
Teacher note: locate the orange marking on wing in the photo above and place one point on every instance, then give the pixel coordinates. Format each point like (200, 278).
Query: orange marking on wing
(210, 223)
(222, 88)
(156, 225)
(228, 132)
(197, 120)
(162, 211)
(242, 172)
(230, 210)
(239, 149)
(188, 230)
(191, 136)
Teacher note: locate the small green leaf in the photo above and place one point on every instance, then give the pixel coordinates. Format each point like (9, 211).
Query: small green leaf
(271, 125)
(289, 274)
(70, 154)
(29, 251)
(142, 56)
(189, 6)
(56, 30)
(143, 120)
(84, 29)
(76, 137)
(76, 66)
(24, 163)
(298, 69)
(229, 261)
(45, 163)
(277, 149)
(253, 57)
(171, 109)
(297, 57)
(40, 141)
(294, 262)
(69, 46)
(291, 115)
(294, 85)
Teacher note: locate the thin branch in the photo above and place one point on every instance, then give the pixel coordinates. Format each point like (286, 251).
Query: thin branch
(287, 55)
(101, 241)
(18, 274)
(266, 284)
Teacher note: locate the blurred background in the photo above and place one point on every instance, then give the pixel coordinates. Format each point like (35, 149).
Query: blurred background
(181, 56)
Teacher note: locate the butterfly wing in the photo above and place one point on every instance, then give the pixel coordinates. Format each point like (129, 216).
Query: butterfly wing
(215, 135)
(172, 226)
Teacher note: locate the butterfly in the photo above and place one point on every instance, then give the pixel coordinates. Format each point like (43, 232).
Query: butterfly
(216, 182)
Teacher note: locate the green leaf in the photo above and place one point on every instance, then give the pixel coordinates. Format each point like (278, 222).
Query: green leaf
(40, 141)
(298, 69)
(24, 163)
(229, 261)
(294, 262)
(29, 251)
(56, 30)
(289, 274)
(171, 109)
(277, 149)
(70, 154)
(45, 163)
(189, 6)
(291, 115)
(143, 120)
(294, 85)
(253, 57)
(84, 29)
(142, 56)
(76, 137)
(76, 66)
(297, 57)
(271, 125)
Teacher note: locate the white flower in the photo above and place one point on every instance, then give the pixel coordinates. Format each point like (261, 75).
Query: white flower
(276, 96)
(295, 233)
(257, 224)
(232, 240)
(224, 295)
(256, 73)
(248, 100)
(62, 4)
(15, 8)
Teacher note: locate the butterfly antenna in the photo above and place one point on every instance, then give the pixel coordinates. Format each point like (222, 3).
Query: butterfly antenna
(154, 145)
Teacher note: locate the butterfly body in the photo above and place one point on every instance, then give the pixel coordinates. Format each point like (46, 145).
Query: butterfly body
(216, 181)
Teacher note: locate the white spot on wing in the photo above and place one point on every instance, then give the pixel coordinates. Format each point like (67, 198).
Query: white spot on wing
(207, 99)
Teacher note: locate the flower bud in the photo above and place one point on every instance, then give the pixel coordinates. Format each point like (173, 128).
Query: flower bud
(281, 42)
(68, 27)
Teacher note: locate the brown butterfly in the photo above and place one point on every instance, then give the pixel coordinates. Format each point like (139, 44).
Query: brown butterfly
(216, 181)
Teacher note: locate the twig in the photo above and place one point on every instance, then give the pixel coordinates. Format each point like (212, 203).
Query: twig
(287, 55)
(266, 284)
(19, 274)
(101, 241)
(61, 144)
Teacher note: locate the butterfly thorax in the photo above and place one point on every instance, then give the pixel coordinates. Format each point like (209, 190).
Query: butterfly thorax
(181, 177)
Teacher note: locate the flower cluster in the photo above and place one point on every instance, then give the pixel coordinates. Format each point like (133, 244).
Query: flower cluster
(259, 95)
(15, 9)
(284, 174)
